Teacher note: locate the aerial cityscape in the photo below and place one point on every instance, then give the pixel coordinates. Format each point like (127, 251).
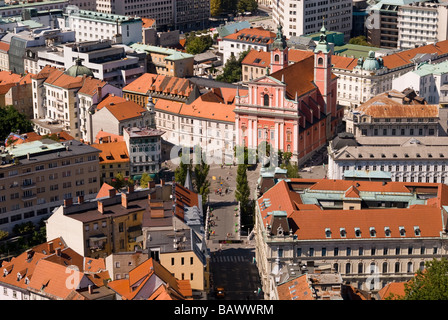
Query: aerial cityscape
(246, 150)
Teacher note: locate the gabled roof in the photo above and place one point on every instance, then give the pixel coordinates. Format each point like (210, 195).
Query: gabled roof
(104, 191)
(125, 110)
(112, 152)
(393, 288)
(256, 35)
(132, 288)
(110, 99)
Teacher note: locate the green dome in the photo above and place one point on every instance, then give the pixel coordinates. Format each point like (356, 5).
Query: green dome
(78, 70)
(371, 63)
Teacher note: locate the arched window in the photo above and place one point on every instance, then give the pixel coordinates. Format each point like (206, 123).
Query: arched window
(320, 61)
(336, 267)
(410, 269)
(384, 267)
(276, 58)
(397, 267)
(360, 268)
(266, 100)
(347, 268)
(422, 265)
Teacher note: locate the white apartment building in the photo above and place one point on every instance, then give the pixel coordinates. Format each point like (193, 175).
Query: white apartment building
(209, 125)
(245, 39)
(64, 102)
(422, 23)
(169, 14)
(96, 26)
(144, 148)
(305, 17)
(107, 61)
(9, 9)
(362, 79)
(428, 80)
(406, 159)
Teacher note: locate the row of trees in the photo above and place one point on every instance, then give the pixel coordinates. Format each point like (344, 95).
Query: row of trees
(232, 6)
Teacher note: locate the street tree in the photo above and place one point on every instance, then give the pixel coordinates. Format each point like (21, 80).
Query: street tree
(232, 70)
(12, 120)
(201, 183)
(145, 180)
(431, 283)
(180, 174)
(215, 7)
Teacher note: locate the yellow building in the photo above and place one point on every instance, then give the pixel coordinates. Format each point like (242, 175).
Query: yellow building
(114, 159)
(105, 225)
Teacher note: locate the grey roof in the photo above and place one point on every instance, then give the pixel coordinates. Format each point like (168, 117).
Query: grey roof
(401, 140)
(388, 153)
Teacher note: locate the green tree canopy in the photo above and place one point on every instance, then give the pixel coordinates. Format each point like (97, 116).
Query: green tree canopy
(429, 284)
(202, 184)
(196, 45)
(232, 71)
(12, 120)
(360, 40)
(247, 5)
(144, 180)
(215, 7)
(180, 174)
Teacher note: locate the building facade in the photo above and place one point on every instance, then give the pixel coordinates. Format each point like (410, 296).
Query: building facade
(305, 17)
(406, 159)
(292, 114)
(422, 23)
(386, 239)
(37, 176)
(96, 26)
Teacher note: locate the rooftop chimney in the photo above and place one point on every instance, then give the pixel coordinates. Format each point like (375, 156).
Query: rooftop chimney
(100, 207)
(162, 182)
(112, 192)
(124, 200)
(68, 202)
(58, 252)
(50, 247)
(90, 289)
(80, 199)
(130, 188)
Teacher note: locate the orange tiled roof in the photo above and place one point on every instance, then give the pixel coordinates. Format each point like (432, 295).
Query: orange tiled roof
(260, 58)
(107, 137)
(132, 287)
(147, 23)
(311, 224)
(252, 35)
(393, 288)
(9, 77)
(112, 152)
(400, 111)
(403, 58)
(109, 100)
(149, 82)
(104, 191)
(4, 46)
(346, 63)
(125, 110)
(295, 289)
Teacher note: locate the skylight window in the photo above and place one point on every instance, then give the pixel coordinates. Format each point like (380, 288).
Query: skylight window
(402, 231)
(387, 231)
(327, 233)
(372, 232)
(357, 232)
(342, 232)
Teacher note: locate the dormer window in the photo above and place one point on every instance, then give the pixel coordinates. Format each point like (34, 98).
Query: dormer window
(327, 233)
(342, 232)
(357, 232)
(417, 231)
(372, 232)
(402, 231)
(387, 231)
(280, 231)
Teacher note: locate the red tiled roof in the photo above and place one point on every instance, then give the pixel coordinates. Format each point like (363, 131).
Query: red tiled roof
(110, 100)
(4, 46)
(104, 191)
(295, 289)
(252, 35)
(112, 152)
(125, 110)
(399, 111)
(393, 288)
(160, 84)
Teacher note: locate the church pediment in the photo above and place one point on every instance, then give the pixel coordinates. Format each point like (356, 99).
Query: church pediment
(267, 80)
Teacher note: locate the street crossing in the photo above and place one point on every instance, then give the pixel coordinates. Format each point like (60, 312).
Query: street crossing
(227, 258)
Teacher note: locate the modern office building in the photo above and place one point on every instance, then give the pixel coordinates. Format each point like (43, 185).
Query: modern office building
(36, 177)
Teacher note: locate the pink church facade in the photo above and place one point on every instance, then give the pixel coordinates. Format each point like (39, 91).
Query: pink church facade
(293, 108)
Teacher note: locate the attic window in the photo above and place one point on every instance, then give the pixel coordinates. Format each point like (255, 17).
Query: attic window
(357, 232)
(372, 156)
(429, 155)
(441, 155)
(406, 155)
(342, 232)
(418, 155)
(383, 155)
(394, 155)
(327, 233)
(387, 231)
(372, 232)
(417, 231)
(402, 231)
(359, 155)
